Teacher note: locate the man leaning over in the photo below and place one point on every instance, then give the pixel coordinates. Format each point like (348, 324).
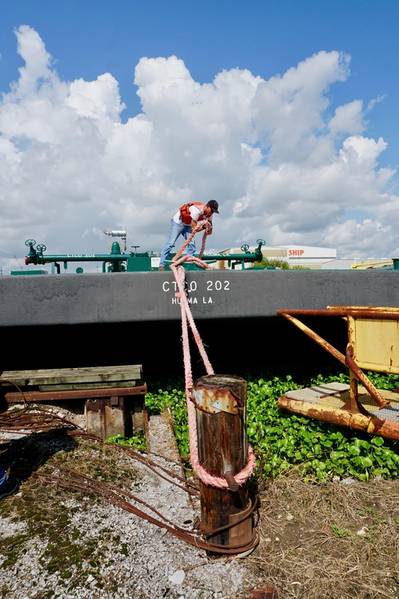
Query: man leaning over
(184, 222)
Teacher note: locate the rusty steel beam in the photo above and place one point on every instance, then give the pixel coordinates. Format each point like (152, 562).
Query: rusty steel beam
(333, 311)
(27, 396)
(368, 308)
(361, 422)
(359, 374)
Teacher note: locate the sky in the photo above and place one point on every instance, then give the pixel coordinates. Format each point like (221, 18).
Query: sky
(114, 114)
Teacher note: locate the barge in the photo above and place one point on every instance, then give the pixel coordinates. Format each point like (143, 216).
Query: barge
(133, 315)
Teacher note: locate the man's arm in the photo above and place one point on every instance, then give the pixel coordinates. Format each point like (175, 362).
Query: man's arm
(195, 213)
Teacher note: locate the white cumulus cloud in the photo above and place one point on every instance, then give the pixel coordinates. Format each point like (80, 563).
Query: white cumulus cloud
(283, 164)
(348, 118)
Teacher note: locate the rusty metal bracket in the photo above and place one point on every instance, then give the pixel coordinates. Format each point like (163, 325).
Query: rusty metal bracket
(215, 401)
(231, 481)
(359, 374)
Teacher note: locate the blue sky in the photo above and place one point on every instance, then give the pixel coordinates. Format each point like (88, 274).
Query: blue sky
(266, 37)
(269, 39)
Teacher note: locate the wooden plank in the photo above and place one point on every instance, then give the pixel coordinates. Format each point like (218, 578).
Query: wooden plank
(370, 404)
(16, 397)
(72, 386)
(328, 388)
(72, 375)
(317, 392)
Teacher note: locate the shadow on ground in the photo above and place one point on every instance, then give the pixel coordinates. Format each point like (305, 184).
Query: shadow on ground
(22, 457)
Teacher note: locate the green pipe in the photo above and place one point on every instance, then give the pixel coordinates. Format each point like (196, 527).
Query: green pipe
(47, 258)
(248, 257)
(36, 256)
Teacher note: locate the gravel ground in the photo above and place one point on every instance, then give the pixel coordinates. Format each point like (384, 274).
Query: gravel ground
(75, 546)
(339, 540)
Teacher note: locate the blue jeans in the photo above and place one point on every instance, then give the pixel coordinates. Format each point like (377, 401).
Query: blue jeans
(176, 229)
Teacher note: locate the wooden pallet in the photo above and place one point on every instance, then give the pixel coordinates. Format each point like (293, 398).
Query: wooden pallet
(114, 395)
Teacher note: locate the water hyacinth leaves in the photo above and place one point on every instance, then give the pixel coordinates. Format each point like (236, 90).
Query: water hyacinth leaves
(319, 451)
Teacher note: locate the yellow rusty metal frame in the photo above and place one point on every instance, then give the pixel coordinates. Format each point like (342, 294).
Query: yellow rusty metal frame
(373, 335)
(375, 343)
(215, 401)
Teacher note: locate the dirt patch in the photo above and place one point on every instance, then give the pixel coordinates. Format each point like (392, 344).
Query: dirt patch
(337, 540)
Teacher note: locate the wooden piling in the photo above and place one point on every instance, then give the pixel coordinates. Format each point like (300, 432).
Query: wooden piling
(223, 451)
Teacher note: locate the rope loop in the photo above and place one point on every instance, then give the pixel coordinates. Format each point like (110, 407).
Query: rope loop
(187, 319)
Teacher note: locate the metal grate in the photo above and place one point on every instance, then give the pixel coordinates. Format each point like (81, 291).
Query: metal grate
(390, 413)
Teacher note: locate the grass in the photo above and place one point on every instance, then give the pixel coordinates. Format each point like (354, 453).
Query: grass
(332, 540)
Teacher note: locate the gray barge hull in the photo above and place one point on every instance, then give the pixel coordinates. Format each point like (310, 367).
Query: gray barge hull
(146, 297)
(94, 319)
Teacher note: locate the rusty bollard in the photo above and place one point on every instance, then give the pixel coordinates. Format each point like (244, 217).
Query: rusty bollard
(226, 514)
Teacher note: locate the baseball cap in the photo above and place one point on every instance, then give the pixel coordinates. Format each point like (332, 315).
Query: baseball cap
(214, 206)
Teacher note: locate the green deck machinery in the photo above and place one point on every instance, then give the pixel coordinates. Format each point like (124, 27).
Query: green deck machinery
(115, 261)
(133, 261)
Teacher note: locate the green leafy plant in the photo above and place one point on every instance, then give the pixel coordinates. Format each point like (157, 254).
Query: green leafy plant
(283, 441)
(272, 263)
(340, 532)
(174, 400)
(136, 441)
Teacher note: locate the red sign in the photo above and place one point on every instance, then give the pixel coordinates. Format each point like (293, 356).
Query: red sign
(296, 252)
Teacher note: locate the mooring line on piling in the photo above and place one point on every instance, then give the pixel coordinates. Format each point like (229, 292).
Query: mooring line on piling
(187, 319)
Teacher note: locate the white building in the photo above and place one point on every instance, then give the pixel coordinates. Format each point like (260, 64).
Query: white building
(295, 255)
(305, 255)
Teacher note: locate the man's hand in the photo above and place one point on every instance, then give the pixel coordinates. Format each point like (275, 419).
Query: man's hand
(202, 224)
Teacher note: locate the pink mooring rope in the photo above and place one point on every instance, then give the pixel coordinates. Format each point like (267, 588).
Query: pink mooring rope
(187, 318)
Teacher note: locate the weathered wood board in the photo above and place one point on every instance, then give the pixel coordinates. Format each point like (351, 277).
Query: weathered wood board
(114, 395)
(59, 376)
(45, 396)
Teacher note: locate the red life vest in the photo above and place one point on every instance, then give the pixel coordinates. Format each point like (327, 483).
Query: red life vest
(185, 212)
